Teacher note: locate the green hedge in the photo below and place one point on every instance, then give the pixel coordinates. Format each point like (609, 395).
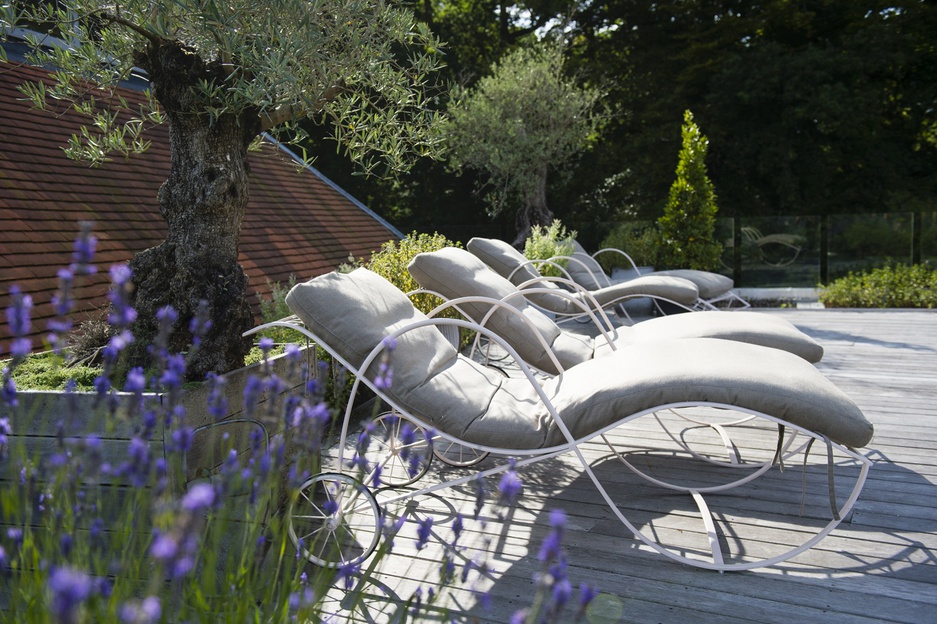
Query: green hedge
(892, 286)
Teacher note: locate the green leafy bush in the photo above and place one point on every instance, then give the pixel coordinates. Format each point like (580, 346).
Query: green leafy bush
(548, 242)
(48, 371)
(892, 286)
(640, 241)
(390, 262)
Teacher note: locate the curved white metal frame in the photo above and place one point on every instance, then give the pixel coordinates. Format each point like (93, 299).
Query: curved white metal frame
(702, 304)
(525, 456)
(605, 282)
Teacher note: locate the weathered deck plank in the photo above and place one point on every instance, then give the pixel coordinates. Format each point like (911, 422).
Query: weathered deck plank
(879, 566)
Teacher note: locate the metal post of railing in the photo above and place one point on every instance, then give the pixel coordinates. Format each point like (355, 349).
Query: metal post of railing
(824, 249)
(737, 250)
(917, 226)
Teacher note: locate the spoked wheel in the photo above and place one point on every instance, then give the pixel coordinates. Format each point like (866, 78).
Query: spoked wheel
(334, 520)
(399, 448)
(457, 455)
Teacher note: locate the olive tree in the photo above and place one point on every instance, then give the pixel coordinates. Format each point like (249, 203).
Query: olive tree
(222, 73)
(516, 124)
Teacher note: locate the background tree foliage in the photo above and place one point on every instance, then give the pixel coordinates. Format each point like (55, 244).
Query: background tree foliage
(814, 107)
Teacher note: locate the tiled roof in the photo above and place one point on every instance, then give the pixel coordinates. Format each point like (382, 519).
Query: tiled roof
(297, 223)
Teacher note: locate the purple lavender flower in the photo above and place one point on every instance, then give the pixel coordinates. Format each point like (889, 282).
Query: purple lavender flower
(19, 323)
(173, 376)
(8, 389)
(217, 401)
(253, 389)
(166, 317)
(199, 497)
(102, 385)
(62, 303)
(66, 541)
(121, 314)
(347, 573)
(519, 617)
(587, 594)
(164, 547)
(83, 255)
(117, 344)
(376, 477)
(510, 487)
(182, 439)
(136, 380)
(293, 352)
(302, 599)
(70, 588)
(423, 531)
(147, 611)
(385, 376)
(265, 344)
(18, 312)
(200, 323)
(138, 466)
(562, 592)
(552, 544)
(481, 492)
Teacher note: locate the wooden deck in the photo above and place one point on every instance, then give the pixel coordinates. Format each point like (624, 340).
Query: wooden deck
(878, 566)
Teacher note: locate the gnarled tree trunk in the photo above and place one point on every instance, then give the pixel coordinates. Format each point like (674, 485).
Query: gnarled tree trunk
(533, 212)
(203, 202)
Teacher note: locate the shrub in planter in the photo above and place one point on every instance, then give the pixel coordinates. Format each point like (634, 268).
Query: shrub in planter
(891, 286)
(640, 241)
(549, 242)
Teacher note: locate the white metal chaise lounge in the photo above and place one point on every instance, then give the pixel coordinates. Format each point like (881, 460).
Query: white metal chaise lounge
(362, 319)
(454, 273)
(713, 287)
(511, 264)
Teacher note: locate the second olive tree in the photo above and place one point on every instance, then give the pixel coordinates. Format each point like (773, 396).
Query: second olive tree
(517, 124)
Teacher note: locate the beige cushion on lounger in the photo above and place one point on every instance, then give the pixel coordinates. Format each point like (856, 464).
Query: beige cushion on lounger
(508, 262)
(743, 326)
(710, 285)
(587, 271)
(649, 375)
(455, 273)
(352, 313)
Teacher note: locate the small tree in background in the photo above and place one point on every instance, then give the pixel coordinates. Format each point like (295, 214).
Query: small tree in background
(517, 124)
(688, 224)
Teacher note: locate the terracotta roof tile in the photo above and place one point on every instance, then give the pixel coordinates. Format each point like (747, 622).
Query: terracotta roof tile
(296, 222)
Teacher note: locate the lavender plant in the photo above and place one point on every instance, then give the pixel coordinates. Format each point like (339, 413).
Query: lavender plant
(108, 524)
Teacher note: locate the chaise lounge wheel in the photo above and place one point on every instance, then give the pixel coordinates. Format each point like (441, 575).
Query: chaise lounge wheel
(457, 455)
(400, 448)
(334, 520)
